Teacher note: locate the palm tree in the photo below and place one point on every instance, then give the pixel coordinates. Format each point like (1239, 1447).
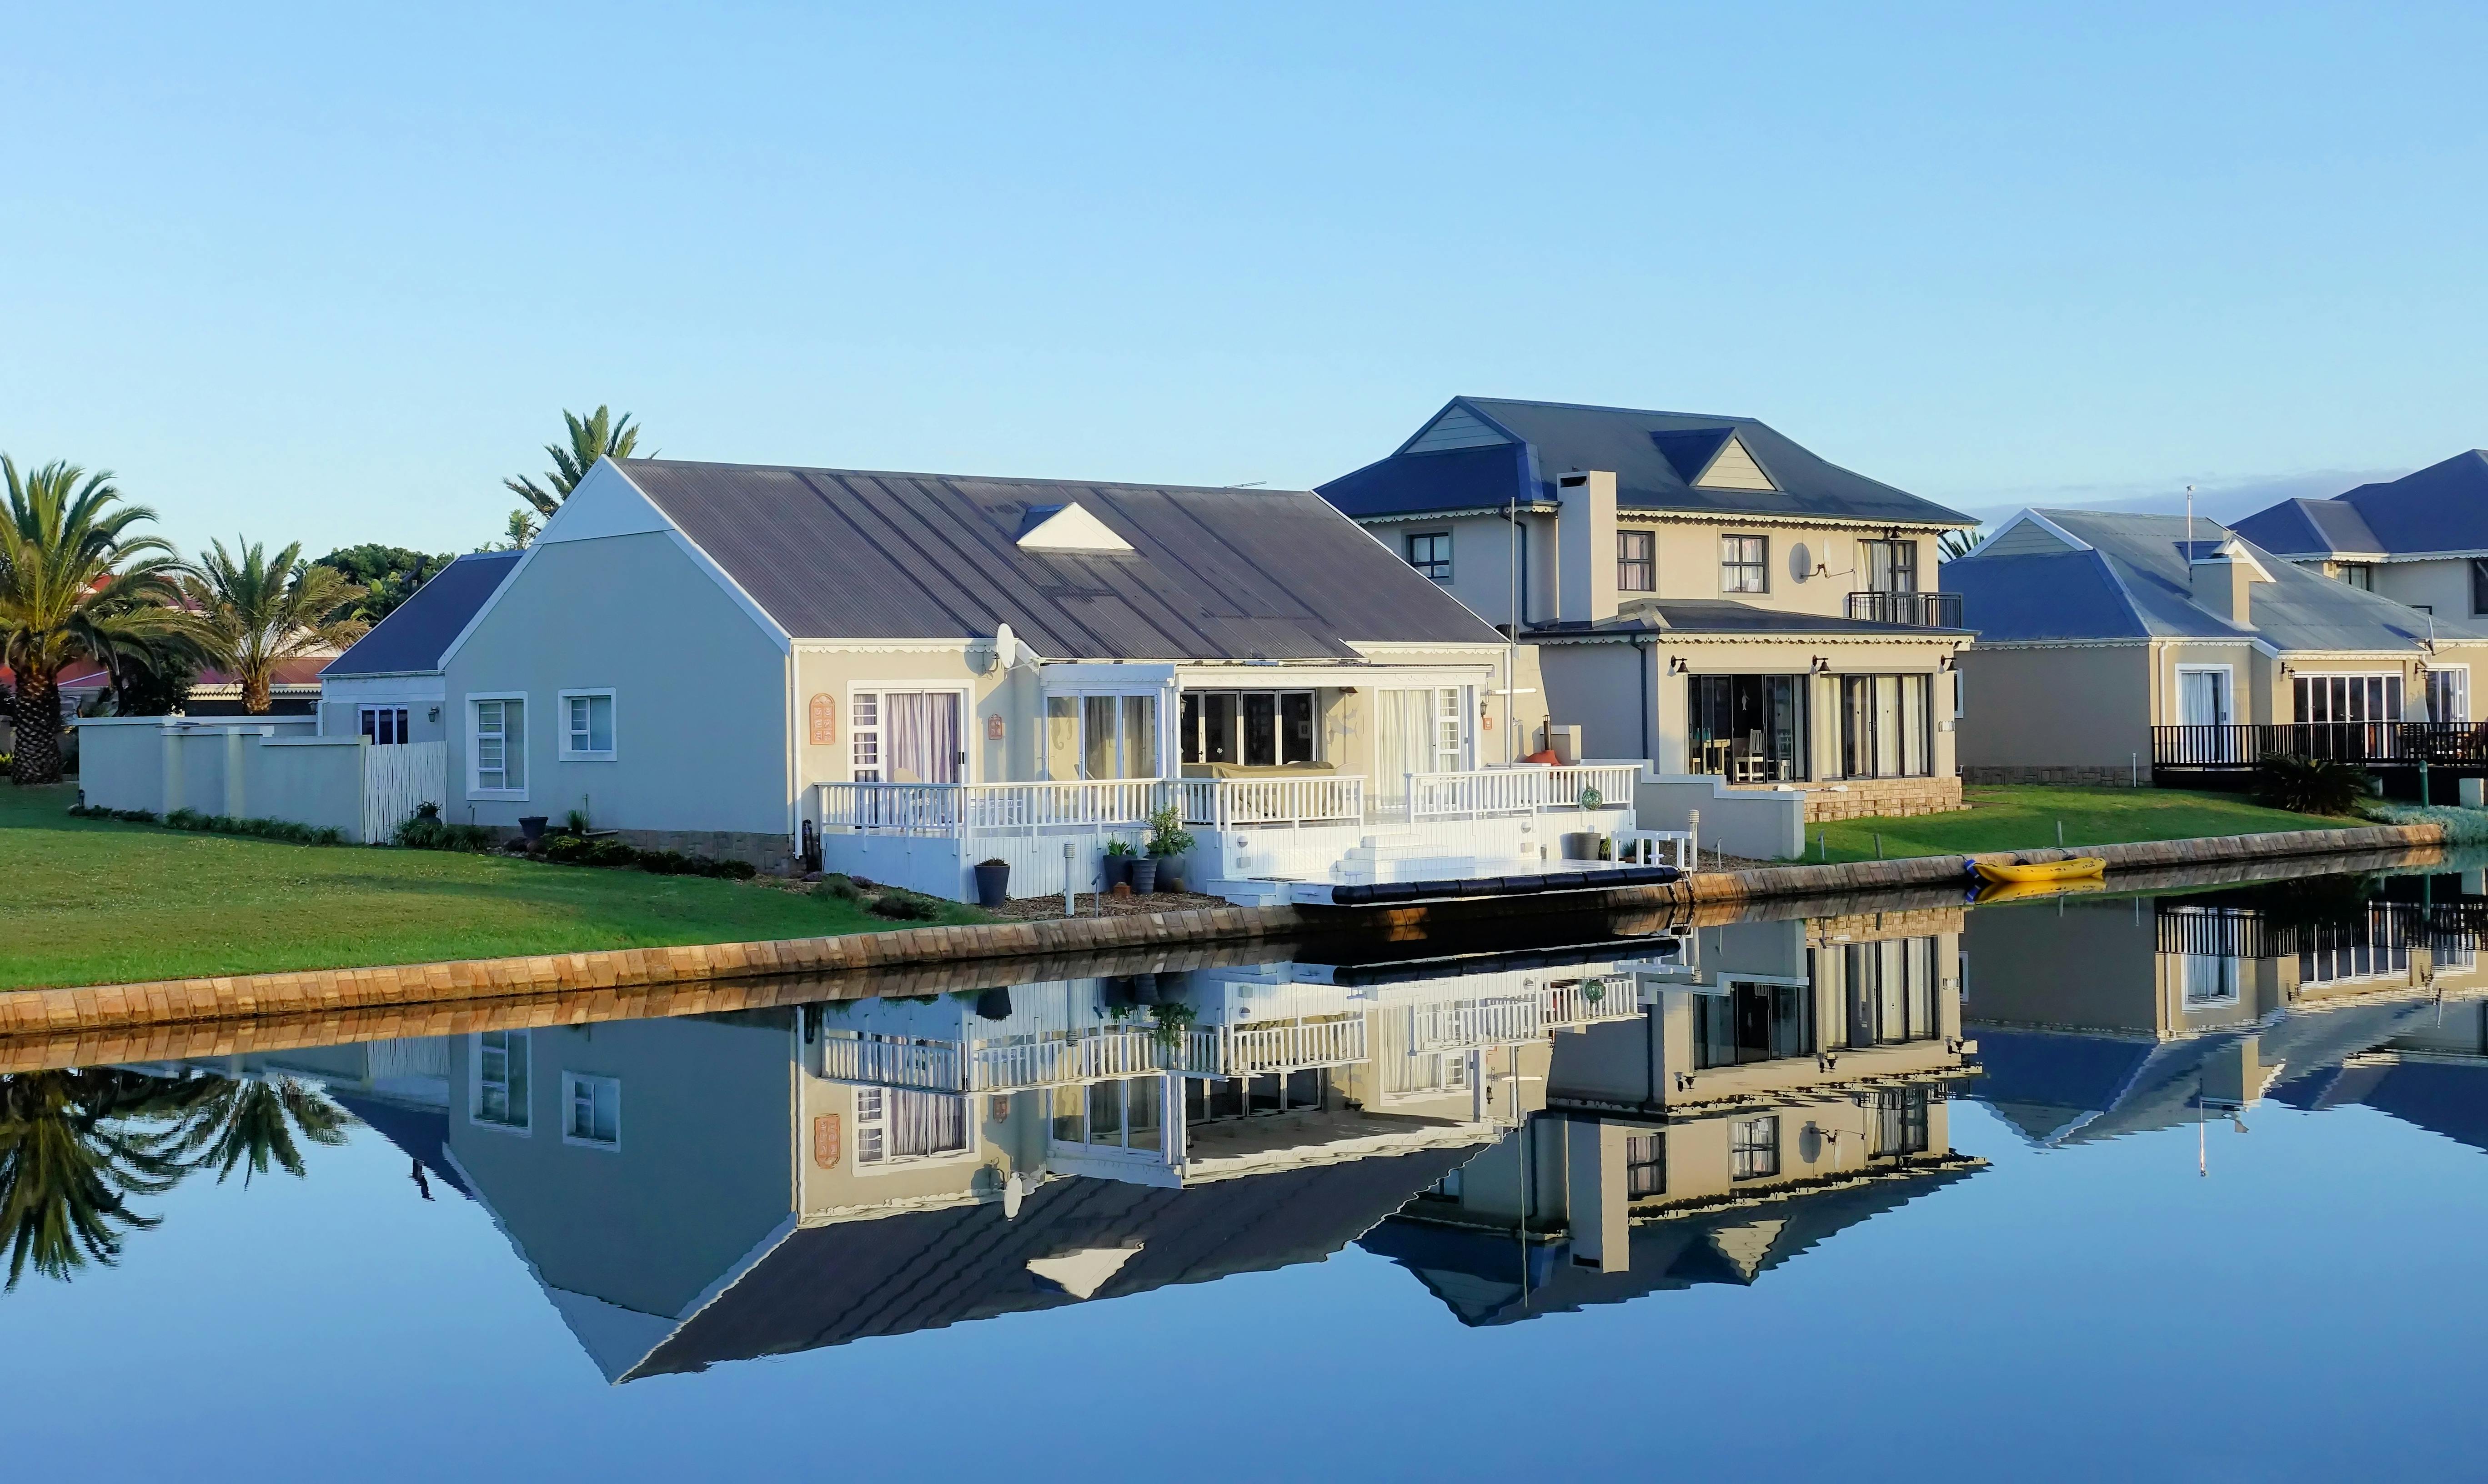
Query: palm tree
(593, 437)
(234, 1123)
(73, 1148)
(75, 584)
(256, 610)
(1956, 545)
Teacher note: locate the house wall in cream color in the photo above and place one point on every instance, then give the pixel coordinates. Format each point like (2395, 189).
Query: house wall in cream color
(2087, 707)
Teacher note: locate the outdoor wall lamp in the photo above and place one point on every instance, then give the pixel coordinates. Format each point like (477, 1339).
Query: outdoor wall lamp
(1676, 664)
(1822, 664)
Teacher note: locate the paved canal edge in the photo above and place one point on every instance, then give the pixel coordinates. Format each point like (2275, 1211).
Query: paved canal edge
(168, 1002)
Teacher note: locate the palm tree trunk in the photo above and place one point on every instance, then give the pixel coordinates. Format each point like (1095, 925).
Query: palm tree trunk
(254, 692)
(34, 711)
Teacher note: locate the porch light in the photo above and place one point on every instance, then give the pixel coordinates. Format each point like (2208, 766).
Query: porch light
(1676, 664)
(1822, 664)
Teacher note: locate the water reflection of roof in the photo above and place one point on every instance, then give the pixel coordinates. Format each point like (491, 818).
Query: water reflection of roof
(422, 1133)
(1477, 1271)
(2449, 1098)
(929, 1269)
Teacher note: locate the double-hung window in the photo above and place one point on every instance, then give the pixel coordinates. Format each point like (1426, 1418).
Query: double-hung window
(1754, 1148)
(1636, 561)
(2449, 695)
(587, 726)
(384, 725)
(1645, 1165)
(895, 1124)
(1432, 555)
(1744, 564)
(498, 755)
(2479, 587)
(592, 1111)
(497, 1090)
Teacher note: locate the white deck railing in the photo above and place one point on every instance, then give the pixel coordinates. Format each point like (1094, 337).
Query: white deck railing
(1465, 1024)
(891, 1062)
(985, 808)
(1502, 791)
(1590, 1001)
(1291, 1046)
(1221, 803)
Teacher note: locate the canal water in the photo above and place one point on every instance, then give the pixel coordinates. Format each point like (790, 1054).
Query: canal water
(2183, 1184)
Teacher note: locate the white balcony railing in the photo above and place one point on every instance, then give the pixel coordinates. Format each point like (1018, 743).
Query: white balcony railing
(891, 1061)
(953, 809)
(1590, 1001)
(1466, 1024)
(1291, 1045)
(1489, 792)
(1222, 804)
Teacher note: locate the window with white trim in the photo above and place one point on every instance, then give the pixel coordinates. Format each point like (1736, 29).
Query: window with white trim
(384, 725)
(587, 725)
(2449, 695)
(1744, 564)
(499, 754)
(591, 1110)
(896, 1125)
(1754, 1148)
(1431, 553)
(497, 1091)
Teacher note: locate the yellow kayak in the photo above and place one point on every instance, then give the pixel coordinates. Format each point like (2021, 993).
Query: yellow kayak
(1996, 893)
(2079, 868)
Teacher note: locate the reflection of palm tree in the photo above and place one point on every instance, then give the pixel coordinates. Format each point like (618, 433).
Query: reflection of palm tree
(70, 1154)
(229, 1123)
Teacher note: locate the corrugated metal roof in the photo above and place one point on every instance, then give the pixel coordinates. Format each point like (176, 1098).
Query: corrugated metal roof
(1644, 449)
(1725, 615)
(2301, 530)
(2134, 585)
(413, 638)
(1213, 574)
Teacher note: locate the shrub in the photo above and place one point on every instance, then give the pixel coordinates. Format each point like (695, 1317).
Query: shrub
(2310, 785)
(126, 816)
(838, 888)
(905, 906)
(429, 832)
(579, 851)
(1167, 835)
(286, 831)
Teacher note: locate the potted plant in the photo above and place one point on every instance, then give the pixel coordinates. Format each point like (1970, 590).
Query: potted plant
(1167, 838)
(993, 882)
(531, 827)
(1119, 857)
(1583, 844)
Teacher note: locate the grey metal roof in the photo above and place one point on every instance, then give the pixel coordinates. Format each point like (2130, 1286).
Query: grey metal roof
(1213, 574)
(2303, 529)
(1655, 457)
(2134, 583)
(413, 638)
(1724, 615)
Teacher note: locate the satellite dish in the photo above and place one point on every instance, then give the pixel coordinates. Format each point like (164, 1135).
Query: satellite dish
(1800, 561)
(1006, 647)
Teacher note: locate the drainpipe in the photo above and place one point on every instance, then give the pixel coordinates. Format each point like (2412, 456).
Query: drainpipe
(1641, 671)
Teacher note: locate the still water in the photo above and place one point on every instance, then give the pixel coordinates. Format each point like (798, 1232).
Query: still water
(2182, 1185)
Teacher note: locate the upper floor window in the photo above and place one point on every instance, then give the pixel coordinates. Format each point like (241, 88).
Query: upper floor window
(587, 725)
(1432, 555)
(1754, 1148)
(1891, 566)
(1744, 564)
(2479, 587)
(2359, 574)
(1636, 561)
(1644, 1166)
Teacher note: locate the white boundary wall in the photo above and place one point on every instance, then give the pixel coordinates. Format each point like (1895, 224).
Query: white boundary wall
(272, 769)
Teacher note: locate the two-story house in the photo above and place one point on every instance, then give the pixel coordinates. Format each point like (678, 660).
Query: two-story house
(2420, 540)
(1702, 593)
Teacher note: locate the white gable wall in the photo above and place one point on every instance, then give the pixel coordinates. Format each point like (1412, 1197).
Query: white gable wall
(1733, 468)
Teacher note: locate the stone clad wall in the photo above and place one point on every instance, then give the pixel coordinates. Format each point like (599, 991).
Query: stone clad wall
(1883, 798)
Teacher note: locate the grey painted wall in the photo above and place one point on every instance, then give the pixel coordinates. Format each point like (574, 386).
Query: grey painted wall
(2055, 708)
(1602, 687)
(700, 724)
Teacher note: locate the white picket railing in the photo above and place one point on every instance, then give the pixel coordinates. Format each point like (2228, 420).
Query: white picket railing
(953, 809)
(1501, 790)
(891, 1061)
(1291, 1045)
(1467, 1024)
(396, 779)
(1590, 1002)
(1221, 803)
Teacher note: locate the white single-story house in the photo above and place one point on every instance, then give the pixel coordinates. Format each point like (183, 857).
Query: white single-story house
(901, 675)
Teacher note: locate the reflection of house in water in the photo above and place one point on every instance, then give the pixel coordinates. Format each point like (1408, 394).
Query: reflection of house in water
(2098, 1018)
(1790, 1081)
(690, 1191)
(399, 1088)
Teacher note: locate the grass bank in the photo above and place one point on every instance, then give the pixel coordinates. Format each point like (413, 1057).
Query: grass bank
(99, 902)
(2024, 817)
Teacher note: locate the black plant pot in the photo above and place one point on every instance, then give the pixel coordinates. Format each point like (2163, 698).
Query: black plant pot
(1146, 990)
(1581, 844)
(994, 1004)
(1117, 871)
(531, 827)
(993, 882)
(1145, 875)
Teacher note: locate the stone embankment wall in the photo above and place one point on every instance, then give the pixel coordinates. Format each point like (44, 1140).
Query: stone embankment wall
(1883, 798)
(53, 1012)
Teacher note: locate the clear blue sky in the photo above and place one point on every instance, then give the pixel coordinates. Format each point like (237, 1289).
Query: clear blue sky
(304, 273)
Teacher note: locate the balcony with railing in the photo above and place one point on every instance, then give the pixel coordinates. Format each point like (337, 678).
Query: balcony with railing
(2461, 746)
(1918, 610)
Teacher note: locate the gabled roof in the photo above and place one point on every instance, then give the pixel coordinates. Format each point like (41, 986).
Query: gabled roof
(2302, 530)
(2125, 577)
(1478, 453)
(412, 639)
(2443, 508)
(1210, 574)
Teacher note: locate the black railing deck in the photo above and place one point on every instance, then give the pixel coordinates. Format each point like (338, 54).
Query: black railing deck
(2237, 933)
(1920, 610)
(2369, 743)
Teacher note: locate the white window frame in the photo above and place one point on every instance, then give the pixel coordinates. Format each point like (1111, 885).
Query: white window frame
(473, 701)
(2177, 691)
(366, 724)
(571, 1083)
(972, 1137)
(525, 1127)
(856, 727)
(2427, 685)
(561, 738)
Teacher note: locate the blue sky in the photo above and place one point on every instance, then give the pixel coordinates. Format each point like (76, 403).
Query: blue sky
(304, 273)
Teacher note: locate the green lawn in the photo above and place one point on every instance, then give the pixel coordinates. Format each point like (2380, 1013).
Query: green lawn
(97, 902)
(2024, 817)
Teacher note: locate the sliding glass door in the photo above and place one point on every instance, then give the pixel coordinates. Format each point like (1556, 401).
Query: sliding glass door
(1886, 729)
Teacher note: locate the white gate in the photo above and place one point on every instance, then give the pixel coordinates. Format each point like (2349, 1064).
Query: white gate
(396, 779)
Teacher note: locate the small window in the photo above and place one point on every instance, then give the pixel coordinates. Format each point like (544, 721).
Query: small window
(593, 1111)
(1754, 1148)
(1744, 564)
(587, 725)
(1644, 1166)
(2359, 574)
(498, 1098)
(384, 725)
(500, 754)
(2479, 587)
(1636, 561)
(1432, 555)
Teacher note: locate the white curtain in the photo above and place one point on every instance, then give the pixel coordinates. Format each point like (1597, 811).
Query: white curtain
(1403, 741)
(921, 732)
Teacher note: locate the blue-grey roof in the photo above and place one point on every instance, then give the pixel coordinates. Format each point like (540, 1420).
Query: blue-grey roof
(2443, 508)
(2127, 578)
(1655, 456)
(1212, 573)
(413, 637)
(1725, 615)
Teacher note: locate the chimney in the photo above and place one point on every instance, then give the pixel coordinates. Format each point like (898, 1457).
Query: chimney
(2222, 579)
(1585, 544)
